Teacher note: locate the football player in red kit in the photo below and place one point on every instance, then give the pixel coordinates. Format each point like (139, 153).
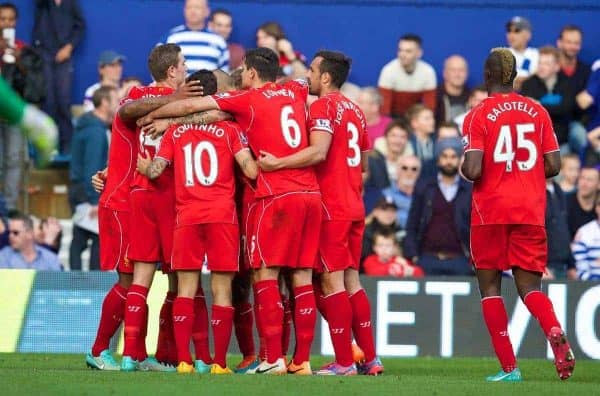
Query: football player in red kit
(510, 150)
(288, 213)
(338, 147)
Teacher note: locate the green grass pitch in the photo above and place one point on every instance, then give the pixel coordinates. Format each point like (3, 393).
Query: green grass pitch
(51, 374)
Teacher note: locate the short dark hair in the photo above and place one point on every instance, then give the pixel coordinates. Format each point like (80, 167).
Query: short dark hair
(412, 37)
(397, 123)
(273, 29)
(218, 11)
(207, 79)
(570, 28)
(385, 232)
(161, 58)
(265, 61)
(336, 64)
(10, 6)
(26, 219)
(102, 93)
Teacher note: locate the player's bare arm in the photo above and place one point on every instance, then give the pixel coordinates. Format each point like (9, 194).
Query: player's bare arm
(471, 167)
(159, 126)
(552, 164)
(180, 108)
(151, 168)
(247, 163)
(320, 141)
(133, 110)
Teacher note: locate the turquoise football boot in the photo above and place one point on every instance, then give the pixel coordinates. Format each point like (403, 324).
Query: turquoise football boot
(502, 376)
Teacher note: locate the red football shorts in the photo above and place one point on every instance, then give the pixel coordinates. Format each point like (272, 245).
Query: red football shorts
(246, 227)
(114, 240)
(503, 246)
(340, 245)
(218, 242)
(152, 223)
(286, 233)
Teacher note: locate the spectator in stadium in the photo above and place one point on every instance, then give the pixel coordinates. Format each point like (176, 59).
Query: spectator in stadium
(221, 22)
(202, 48)
(518, 35)
(401, 192)
(589, 98)
(383, 160)
(349, 90)
(437, 231)
(478, 94)
(580, 206)
(560, 260)
(452, 95)
(23, 252)
(591, 154)
(89, 151)
(369, 101)
(128, 83)
(48, 234)
(569, 172)
(407, 79)
(382, 219)
(22, 69)
(58, 28)
(586, 247)
(292, 62)
(422, 125)
(553, 91)
(110, 69)
(577, 74)
(447, 129)
(388, 260)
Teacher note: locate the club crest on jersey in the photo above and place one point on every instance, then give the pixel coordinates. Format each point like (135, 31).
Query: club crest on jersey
(243, 138)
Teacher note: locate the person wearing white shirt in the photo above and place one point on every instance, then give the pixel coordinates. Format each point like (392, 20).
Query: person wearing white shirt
(518, 35)
(110, 68)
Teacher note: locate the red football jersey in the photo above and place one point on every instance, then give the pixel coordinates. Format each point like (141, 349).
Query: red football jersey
(145, 144)
(340, 175)
(514, 133)
(202, 157)
(121, 162)
(274, 118)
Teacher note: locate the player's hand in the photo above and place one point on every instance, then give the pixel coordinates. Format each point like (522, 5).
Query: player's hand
(268, 162)
(98, 180)
(143, 163)
(145, 120)
(51, 228)
(189, 90)
(157, 128)
(285, 46)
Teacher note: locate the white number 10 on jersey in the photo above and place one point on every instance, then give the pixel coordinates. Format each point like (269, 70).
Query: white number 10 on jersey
(193, 163)
(503, 151)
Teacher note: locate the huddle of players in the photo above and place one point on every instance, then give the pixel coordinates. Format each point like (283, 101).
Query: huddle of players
(172, 199)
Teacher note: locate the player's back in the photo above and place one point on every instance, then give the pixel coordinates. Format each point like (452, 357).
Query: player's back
(121, 165)
(203, 159)
(340, 174)
(274, 117)
(146, 145)
(514, 133)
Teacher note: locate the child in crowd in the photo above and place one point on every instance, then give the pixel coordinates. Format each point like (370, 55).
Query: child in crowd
(388, 260)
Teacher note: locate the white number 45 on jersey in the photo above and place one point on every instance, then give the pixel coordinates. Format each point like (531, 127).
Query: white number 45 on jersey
(503, 151)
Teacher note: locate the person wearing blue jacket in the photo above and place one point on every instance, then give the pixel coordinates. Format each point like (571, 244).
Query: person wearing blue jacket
(89, 150)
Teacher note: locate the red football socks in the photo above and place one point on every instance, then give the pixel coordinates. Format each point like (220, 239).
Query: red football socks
(135, 315)
(165, 347)
(542, 309)
(286, 330)
(262, 345)
(243, 321)
(200, 328)
(111, 316)
(340, 326)
(320, 299)
(270, 312)
(183, 321)
(305, 317)
(141, 353)
(222, 323)
(496, 321)
(361, 323)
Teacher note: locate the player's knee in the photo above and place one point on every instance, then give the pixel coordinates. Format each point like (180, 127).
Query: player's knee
(352, 281)
(125, 280)
(332, 282)
(302, 277)
(143, 273)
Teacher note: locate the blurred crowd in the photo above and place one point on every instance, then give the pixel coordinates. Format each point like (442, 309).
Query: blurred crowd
(418, 205)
